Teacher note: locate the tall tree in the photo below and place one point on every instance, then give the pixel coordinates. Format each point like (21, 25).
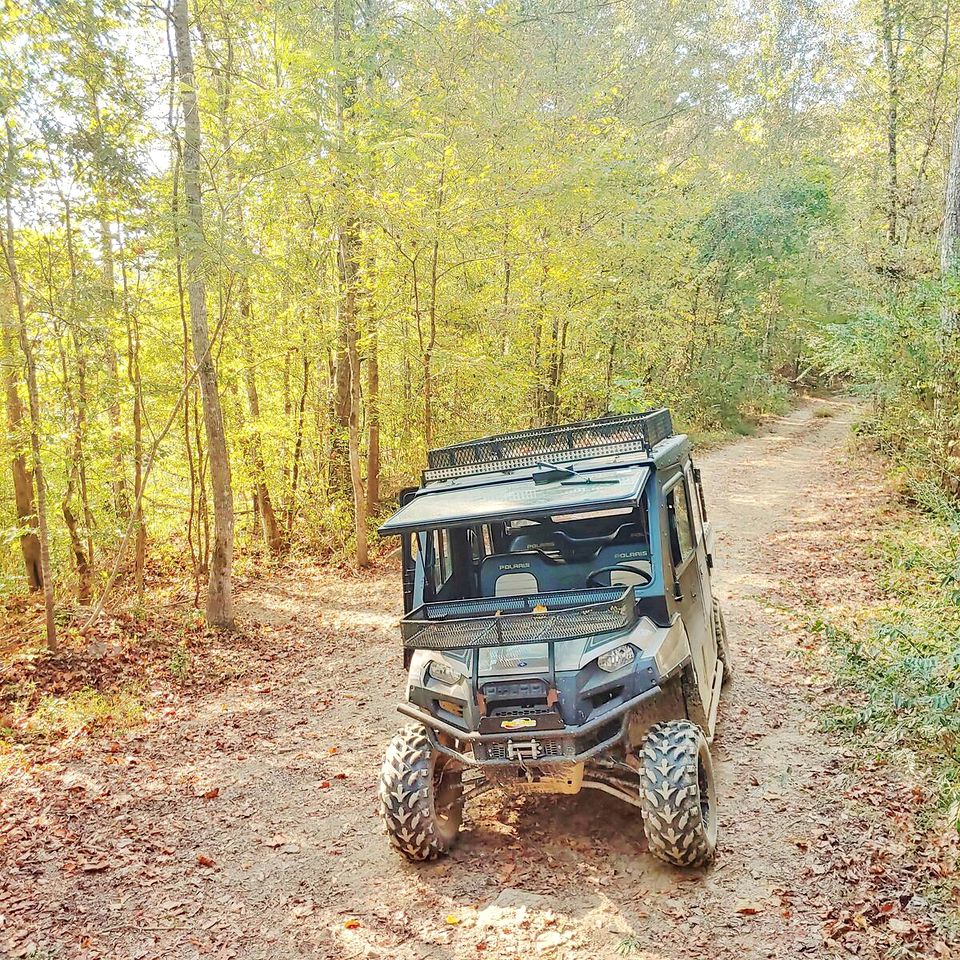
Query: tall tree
(22, 476)
(33, 391)
(219, 588)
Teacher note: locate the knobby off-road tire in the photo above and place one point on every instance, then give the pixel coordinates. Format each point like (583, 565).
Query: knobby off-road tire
(723, 644)
(677, 794)
(421, 796)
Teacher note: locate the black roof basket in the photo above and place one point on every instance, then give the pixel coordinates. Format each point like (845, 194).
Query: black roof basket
(629, 433)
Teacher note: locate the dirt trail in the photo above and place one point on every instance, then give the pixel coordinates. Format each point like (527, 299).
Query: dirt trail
(300, 865)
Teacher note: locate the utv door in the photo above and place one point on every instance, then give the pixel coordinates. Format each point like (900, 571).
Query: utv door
(408, 553)
(704, 547)
(691, 585)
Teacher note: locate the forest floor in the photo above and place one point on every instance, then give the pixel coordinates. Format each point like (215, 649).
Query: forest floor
(238, 818)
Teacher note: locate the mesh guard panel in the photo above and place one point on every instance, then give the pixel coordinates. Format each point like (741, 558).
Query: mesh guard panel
(636, 432)
(539, 617)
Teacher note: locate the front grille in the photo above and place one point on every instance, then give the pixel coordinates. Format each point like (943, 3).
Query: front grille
(530, 710)
(537, 618)
(515, 690)
(545, 748)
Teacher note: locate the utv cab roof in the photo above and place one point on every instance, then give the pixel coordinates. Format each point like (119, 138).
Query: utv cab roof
(605, 466)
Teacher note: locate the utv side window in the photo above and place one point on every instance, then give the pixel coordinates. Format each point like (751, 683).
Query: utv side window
(442, 568)
(695, 494)
(681, 531)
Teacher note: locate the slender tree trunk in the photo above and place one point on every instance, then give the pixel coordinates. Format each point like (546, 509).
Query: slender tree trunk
(373, 418)
(22, 477)
(348, 251)
(892, 30)
(136, 382)
(340, 408)
(945, 379)
(950, 234)
(268, 518)
(220, 587)
(119, 483)
(66, 508)
(33, 396)
(85, 561)
(185, 335)
(298, 447)
(356, 480)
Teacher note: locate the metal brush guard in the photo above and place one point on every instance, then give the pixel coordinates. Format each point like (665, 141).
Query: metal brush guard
(536, 618)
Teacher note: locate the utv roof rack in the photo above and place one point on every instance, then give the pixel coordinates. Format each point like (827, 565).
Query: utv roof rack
(630, 433)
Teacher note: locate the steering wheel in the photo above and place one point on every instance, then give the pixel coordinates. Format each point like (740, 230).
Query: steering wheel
(624, 568)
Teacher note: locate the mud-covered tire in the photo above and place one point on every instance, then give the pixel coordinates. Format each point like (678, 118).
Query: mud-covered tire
(677, 794)
(723, 643)
(421, 796)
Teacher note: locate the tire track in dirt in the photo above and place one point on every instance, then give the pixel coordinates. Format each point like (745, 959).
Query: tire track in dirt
(301, 868)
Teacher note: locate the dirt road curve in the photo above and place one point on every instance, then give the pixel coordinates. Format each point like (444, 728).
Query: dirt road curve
(244, 824)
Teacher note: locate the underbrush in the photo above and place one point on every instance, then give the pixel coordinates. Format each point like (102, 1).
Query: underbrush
(899, 661)
(86, 710)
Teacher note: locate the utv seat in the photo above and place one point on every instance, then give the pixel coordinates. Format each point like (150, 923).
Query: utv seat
(532, 571)
(520, 574)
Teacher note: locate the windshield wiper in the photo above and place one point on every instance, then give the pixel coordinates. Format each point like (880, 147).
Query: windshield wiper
(566, 476)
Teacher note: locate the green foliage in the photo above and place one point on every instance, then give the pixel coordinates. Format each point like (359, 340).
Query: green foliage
(180, 663)
(86, 709)
(553, 215)
(902, 667)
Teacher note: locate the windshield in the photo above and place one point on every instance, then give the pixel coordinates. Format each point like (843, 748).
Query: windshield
(538, 554)
(512, 498)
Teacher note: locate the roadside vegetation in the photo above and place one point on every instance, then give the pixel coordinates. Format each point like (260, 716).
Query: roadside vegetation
(897, 654)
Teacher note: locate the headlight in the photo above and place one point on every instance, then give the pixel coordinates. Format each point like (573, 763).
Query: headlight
(442, 671)
(616, 659)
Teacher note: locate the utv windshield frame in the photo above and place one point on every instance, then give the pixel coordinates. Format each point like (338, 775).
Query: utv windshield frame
(424, 558)
(510, 497)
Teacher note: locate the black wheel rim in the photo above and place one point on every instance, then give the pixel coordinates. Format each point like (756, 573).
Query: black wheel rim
(446, 794)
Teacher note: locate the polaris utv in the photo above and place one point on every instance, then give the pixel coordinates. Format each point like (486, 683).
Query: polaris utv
(560, 632)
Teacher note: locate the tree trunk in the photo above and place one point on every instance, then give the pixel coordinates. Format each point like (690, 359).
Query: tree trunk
(268, 518)
(136, 382)
(356, 481)
(69, 517)
(298, 446)
(185, 336)
(892, 30)
(950, 235)
(373, 419)
(22, 477)
(33, 396)
(120, 500)
(85, 561)
(348, 250)
(219, 587)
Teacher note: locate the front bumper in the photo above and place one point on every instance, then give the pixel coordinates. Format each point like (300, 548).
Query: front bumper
(569, 744)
